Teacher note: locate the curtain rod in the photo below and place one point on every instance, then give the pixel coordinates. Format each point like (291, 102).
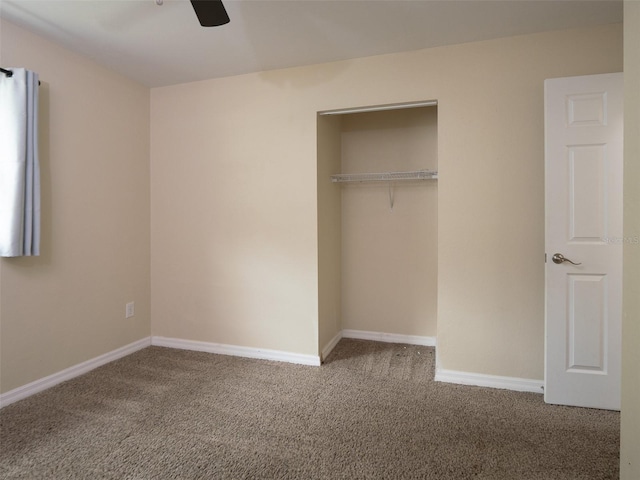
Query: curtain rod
(9, 73)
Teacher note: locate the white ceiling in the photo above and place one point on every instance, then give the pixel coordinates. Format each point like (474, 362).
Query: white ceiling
(165, 45)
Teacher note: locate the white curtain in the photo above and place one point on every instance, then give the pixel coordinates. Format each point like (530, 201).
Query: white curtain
(19, 166)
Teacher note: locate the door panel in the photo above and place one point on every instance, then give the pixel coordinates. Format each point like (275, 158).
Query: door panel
(587, 323)
(583, 204)
(588, 193)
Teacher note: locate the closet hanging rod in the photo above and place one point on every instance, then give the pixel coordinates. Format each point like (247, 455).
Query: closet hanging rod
(385, 176)
(9, 73)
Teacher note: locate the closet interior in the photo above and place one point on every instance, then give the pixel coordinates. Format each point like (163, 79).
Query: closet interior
(378, 221)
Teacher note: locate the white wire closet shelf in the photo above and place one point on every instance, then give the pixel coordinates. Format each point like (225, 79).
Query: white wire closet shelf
(385, 176)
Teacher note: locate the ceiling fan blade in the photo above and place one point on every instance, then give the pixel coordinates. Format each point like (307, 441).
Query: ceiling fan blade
(211, 13)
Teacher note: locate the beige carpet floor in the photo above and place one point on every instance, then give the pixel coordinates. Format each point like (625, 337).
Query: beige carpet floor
(372, 411)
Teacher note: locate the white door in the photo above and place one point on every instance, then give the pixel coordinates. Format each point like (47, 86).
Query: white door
(583, 190)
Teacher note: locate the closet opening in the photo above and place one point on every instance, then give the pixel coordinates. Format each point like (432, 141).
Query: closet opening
(378, 224)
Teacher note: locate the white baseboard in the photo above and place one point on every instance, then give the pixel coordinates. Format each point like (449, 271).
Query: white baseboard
(449, 376)
(390, 337)
(492, 381)
(330, 346)
(247, 352)
(71, 372)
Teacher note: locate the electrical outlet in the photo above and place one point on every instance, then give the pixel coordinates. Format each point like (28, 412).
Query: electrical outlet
(130, 310)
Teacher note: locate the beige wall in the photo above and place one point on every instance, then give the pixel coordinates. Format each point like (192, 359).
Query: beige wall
(390, 256)
(234, 214)
(234, 224)
(329, 230)
(630, 432)
(68, 305)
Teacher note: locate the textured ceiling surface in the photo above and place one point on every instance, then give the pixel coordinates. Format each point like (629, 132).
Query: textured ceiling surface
(161, 45)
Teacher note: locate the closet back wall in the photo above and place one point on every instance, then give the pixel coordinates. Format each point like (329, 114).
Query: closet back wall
(390, 256)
